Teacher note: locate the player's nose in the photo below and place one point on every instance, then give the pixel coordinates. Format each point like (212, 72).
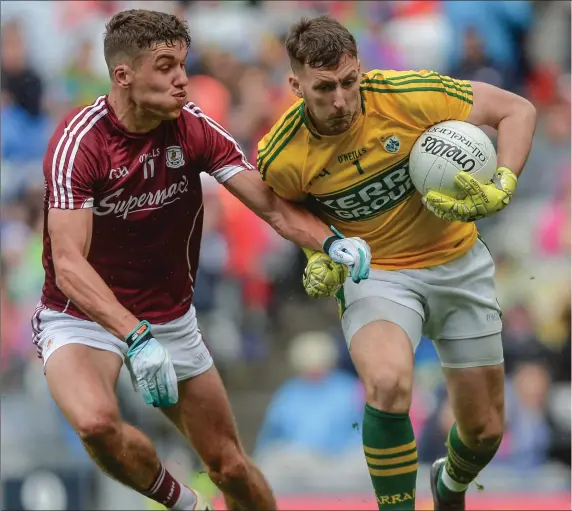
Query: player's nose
(339, 100)
(181, 79)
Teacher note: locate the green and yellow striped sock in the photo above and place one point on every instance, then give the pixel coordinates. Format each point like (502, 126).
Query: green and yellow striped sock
(462, 466)
(391, 455)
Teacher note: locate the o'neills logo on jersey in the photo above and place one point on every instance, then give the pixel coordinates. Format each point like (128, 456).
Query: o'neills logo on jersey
(143, 202)
(370, 198)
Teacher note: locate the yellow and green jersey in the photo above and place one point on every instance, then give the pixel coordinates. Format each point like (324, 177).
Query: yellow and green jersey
(359, 182)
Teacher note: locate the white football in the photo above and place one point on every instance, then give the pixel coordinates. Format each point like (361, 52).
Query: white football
(444, 149)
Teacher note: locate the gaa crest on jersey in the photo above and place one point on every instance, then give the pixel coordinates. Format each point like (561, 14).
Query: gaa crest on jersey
(391, 143)
(175, 157)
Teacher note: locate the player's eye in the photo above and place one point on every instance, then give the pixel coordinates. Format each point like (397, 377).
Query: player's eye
(349, 83)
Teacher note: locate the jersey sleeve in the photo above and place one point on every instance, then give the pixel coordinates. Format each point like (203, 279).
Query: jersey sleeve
(220, 154)
(70, 169)
(422, 98)
(279, 165)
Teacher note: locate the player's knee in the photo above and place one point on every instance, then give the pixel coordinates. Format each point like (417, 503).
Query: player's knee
(389, 390)
(229, 469)
(99, 429)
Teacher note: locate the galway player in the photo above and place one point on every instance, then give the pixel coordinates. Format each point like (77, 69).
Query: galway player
(123, 220)
(343, 149)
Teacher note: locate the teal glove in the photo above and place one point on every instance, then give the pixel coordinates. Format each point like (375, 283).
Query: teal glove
(353, 252)
(151, 367)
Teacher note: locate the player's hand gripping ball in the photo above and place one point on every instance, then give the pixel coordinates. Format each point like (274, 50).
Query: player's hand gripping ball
(322, 277)
(481, 199)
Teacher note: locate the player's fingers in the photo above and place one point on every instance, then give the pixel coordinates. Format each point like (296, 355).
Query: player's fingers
(355, 273)
(146, 392)
(435, 211)
(438, 201)
(434, 197)
(467, 183)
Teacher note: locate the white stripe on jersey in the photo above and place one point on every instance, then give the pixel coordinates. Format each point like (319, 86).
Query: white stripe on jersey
(197, 112)
(57, 173)
(72, 157)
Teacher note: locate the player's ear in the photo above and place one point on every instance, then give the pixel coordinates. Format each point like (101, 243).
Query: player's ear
(123, 76)
(295, 85)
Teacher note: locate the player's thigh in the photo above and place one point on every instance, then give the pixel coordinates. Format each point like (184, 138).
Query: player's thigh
(386, 296)
(203, 414)
(477, 399)
(82, 363)
(382, 349)
(82, 382)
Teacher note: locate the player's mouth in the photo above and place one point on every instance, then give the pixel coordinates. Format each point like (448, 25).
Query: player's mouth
(181, 97)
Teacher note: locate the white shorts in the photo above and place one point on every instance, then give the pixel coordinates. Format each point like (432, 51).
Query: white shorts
(454, 304)
(181, 337)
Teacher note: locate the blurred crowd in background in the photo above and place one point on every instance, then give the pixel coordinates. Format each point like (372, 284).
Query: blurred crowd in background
(296, 396)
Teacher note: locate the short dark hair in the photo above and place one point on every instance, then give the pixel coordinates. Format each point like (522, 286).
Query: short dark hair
(319, 42)
(130, 32)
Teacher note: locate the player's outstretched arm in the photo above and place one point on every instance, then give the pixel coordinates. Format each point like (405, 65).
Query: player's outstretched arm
(70, 234)
(514, 118)
(299, 225)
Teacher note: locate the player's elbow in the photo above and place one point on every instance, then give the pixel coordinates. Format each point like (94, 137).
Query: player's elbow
(527, 109)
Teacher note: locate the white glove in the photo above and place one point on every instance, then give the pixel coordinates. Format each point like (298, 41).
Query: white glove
(353, 252)
(151, 367)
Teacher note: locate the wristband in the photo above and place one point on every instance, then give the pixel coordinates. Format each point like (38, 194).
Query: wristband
(141, 331)
(330, 239)
(328, 243)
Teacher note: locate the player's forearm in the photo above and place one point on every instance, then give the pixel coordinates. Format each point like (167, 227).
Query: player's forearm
(77, 279)
(289, 220)
(515, 132)
(298, 225)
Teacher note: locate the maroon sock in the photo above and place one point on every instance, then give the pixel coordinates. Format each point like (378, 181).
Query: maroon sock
(165, 489)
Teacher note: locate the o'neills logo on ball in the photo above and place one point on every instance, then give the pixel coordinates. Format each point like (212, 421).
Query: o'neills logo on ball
(451, 152)
(462, 150)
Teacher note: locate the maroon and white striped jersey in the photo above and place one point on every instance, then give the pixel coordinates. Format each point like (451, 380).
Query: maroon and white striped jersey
(145, 194)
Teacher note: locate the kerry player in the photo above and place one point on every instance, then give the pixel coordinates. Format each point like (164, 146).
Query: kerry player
(123, 220)
(342, 150)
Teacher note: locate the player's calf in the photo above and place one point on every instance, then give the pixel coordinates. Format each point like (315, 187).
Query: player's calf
(477, 399)
(204, 417)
